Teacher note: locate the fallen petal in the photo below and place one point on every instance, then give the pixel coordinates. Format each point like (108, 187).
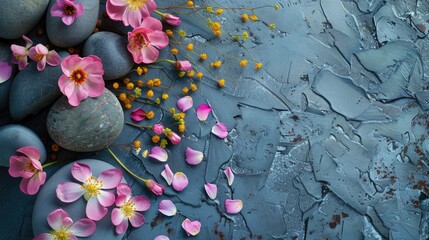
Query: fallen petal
(159, 154)
(167, 208)
(5, 71)
(211, 190)
(229, 175)
(161, 237)
(138, 114)
(180, 181)
(220, 130)
(193, 157)
(83, 228)
(233, 206)
(167, 174)
(191, 228)
(185, 103)
(203, 111)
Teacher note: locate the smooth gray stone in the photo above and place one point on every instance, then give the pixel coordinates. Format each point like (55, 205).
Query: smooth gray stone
(33, 90)
(91, 126)
(111, 48)
(18, 17)
(6, 56)
(62, 35)
(47, 201)
(14, 136)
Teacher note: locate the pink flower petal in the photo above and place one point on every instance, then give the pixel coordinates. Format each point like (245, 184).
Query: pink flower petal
(149, 54)
(94, 210)
(58, 218)
(152, 23)
(211, 190)
(167, 208)
(137, 220)
(161, 237)
(83, 228)
(52, 58)
(191, 228)
(68, 20)
(18, 167)
(159, 154)
(111, 178)
(155, 187)
(122, 227)
(158, 39)
(24, 185)
(117, 217)
(106, 199)
(81, 171)
(5, 71)
(138, 114)
(44, 236)
(158, 128)
(31, 152)
(184, 103)
(183, 65)
(233, 206)
(229, 175)
(124, 189)
(121, 199)
(193, 157)
(180, 181)
(69, 191)
(220, 130)
(142, 203)
(203, 111)
(167, 174)
(35, 182)
(41, 64)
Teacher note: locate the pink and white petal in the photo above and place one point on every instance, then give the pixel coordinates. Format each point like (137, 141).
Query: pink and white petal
(41, 49)
(120, 200)
(57, 11)
(28, 41)
(211, 190)
(185, 103)
(111, 178)
(118, 2)
(158, 39)
(81, 171)
(18, 50)
(18, 166)
(233, 206)
(125, 17)
(79, 10)
(95, 85)
(158, 153)
(69, 63)
(115, 9)
(69, 191)
(191, 228)
(44, 236)
(79, 93)
(22, 63)
(64, 82)
(138, 114)
(122, 227)
(5, 71)
(134, 18)
(94, 210)
(24, 185)
(167, 208)
(31, 152)
(83, 228)
(124, 189)
(193, 157)
(32, 53)
(35, 182)
(56, 219)
(68, 19)
(161, 237)
(151, 5)
(220, 130)
(117, 217)
(106, 199)
(137, 54)
(167, 174)
(36, 164)
(52, 58)
(93, 65)
(72, 237)
(149, 54)
(229, 175)
(41, 64)
(180, 181)
(203, 111)
(151, 23)
(137, 220)
(142, 203)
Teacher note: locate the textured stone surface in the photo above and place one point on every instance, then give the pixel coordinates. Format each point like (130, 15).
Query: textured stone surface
(6, 56)
(92, 126)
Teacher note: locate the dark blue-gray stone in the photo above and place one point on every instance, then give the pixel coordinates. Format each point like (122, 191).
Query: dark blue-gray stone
(33, 90)
(111, 48)
(5, 56)
(47, 201)
(62, 35)
(14, 136)
(18, 17)
(91, 126)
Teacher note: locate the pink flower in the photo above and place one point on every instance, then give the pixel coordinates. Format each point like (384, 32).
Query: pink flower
(183, 65)
(158, 153)
(180, 181)
(20, 53)
(220, 130)
(185, 103)
(172, 136)
(41, 55)
(167, 174)
(29, 168)
(130, 12)
(145, 40)
(158, 128)
(67, 10)
(161, 237)
(167, 208)
(191, 228)
(5, 71)
(203, 111)
(82, 78)
(211, 190)
(229, 175)
(128, 207)
(233, 206)
(64, 228)
(155, 187)
(171, 19)
(92, 189)
(193, 157)
(138, 114)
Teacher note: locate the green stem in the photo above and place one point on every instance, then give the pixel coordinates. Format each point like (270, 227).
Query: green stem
(124, 167)
(138, 126)
(159, 13)
(165, 60)
(51, 163)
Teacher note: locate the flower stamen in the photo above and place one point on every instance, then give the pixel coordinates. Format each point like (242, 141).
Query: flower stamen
(69, 9)
(78, 76)
(92, 186)
(136, 4)
(128, 209)
(61, 234)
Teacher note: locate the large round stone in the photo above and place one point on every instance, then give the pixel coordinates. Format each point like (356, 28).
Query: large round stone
(112, 50)
(18, 17)
(62, 35)
(91, 126)
(14, 136)
(33, 90)
(47, 201)
(6, 56)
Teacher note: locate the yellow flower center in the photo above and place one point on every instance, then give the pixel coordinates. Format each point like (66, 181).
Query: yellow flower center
(136, 4)
(61, 234)
(128, 209)
(38, 56)
(78, 76)
(69, 10)
(92, 187)
(139, 41)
